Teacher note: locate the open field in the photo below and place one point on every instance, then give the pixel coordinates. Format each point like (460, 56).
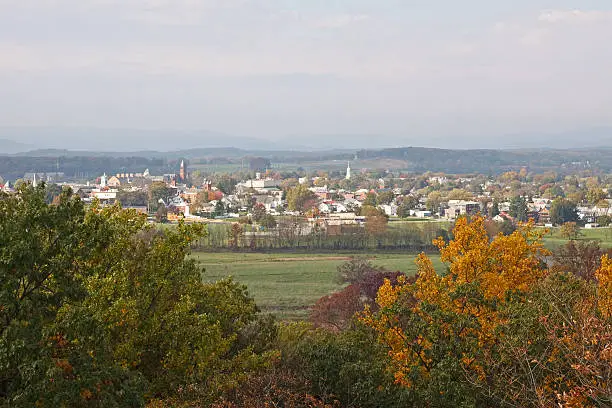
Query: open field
(603, 235)
(286, 284)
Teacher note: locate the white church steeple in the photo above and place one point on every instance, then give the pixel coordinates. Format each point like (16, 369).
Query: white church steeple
(348, 171)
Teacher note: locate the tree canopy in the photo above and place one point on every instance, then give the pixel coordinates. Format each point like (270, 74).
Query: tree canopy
(97, 308)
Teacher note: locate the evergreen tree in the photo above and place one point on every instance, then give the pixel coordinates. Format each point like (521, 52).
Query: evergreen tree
(518, 208)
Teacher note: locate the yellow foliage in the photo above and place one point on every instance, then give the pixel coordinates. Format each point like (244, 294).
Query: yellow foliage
(506, 263)
(604, 286)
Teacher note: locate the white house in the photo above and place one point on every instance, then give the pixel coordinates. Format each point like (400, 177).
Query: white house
(389, 209)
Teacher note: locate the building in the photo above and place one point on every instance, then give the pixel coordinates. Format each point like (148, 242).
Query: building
(183, 171)
(105, 195)
(114, 182)
(259, 185)
(389, 209)
(348, 171)
(457, 208)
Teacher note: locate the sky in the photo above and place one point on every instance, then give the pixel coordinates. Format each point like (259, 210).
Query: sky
(405, 71)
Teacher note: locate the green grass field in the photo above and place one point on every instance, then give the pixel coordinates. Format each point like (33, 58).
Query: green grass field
(288, 284)
(604, 235)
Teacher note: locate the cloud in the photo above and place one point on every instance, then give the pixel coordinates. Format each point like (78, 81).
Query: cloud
(575, 16)
(268, 65)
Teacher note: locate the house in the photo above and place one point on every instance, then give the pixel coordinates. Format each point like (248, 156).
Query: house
(179, 205)
(438, 180)
(114, 182)
(543, 216)
(105, 194)
(270, 202)
(389, 209)
(322, 192)
(328, 207)
(457, 208)
(261, 186)
(361, 194)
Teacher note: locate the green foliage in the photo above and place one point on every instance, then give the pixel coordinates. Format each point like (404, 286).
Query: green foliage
(386, 197)
(227, 184)
(370, 200)
(563, 211)
(219, 209)
(348, 367)
(518, 208)
(159, 191)
(604, 220)
(52, 192)
(494, 209)
(132, 198)
(43, 257)
(99, 309)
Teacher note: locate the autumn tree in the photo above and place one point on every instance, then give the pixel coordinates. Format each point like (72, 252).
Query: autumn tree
(595, 194)
(434, 199)
(200, 201)
(376, 220)
(459, 194)
(236, 234)
(569, 230)
(300, 198)
(580, 258)
(259, 212)
(53, 191)
(436, 328)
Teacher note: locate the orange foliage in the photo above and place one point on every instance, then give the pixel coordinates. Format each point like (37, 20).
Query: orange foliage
(506, 263)
(604, 286)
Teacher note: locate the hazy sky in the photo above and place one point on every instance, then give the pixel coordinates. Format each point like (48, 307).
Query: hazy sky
(272, 68)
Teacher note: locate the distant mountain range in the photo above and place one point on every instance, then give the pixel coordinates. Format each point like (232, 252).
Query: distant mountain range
(86, 164)
(156, 143)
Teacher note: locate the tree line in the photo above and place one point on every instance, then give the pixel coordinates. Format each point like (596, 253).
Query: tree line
(292, 233)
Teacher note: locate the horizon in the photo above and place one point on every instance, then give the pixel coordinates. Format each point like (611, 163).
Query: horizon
(22, 139)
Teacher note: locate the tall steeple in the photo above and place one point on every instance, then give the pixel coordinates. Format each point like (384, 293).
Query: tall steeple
(183, 171)
(348, 170)
(34, 181)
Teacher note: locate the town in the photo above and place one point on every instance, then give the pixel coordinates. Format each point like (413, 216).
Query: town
(338, 203)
